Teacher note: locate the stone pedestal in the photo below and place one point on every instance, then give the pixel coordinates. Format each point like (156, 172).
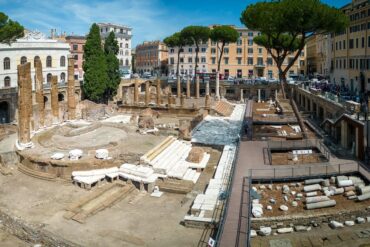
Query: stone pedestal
(158, 92)
(169, 100)
(188, 88)
(39, 87)
(178, 86)
(208, 101)
(24, 107)
(207, 88)
(54, 99)
(182, 100)
(259, 95)
(71, 90)
(197, 87)
(136, 93)
(217, 86)
(147, 93)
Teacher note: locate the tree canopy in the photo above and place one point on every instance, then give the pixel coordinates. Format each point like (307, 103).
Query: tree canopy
(95, 67)
(179, 41)
(111, 49)
(285, 26)
(223, 34)
(9, 30)
(198, 35)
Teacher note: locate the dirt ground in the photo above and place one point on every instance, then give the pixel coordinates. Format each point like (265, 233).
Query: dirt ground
(8, 240)
(285, 158)
(343, 204)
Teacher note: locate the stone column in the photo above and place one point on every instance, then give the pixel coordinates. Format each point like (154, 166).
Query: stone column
(241, 96)
(158, 92)
(24, 108)
(276, 94)
(182, 100)
(39, 87)
(147, 93)
(178, 86)
(136, 92)
(207, 88)
(188, 88)
(71, 90)
(197, 87)
(54, 99)
(169, 100)
(259, 95)
(218, 86)
(208, 101)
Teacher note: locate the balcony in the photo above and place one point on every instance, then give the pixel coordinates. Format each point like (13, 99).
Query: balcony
(260, 65)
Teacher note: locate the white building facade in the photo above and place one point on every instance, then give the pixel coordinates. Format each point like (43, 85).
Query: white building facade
(187, 60)
(123, 36)
(34, 45)
(53, 56)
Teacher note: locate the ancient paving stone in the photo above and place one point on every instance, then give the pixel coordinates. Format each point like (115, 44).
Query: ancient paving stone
(333, 239)
(345, 236)
(280, 243)
(71, 90)
(315, 241)
(305, 242)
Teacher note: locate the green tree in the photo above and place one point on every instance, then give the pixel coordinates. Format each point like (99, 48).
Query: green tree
(285, 26)
(223, 35)
(198, 35)
(177, 40)
(95, 67)
(9, 30)
(111, 50)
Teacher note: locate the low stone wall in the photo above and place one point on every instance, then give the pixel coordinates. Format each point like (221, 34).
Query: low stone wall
(32, 233)
(307, 220)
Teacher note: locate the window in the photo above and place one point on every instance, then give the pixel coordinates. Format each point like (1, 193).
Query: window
(368, 41)
(269, 61)
(260, 61)
(239, 42)
(204, 49)
(63, 76)
(363, 42)
(48, 62)
(75, 57)
(239, 50)
(226, 50)
(239, 60)
(190, 59)
(250, 42)
(356, 43)
(213, 60)
(172, 50)
(35, 59)
(23, 60)
(48, 78)
(213, 50)
(126, 53)
(62, 61)
(172, 60)
(7, 81)
(6, 63)
(250, 50)
(181, 59)
(250, 60)
(76, 77)
(203, 59)
(351, 44)
(250, 34)
(270, 74)
(226, 60)
(239, 73)
(127, 62)
(75, 47)
(259, 50)
(120, 45)
(190, 49)
(126, 45)
(344, 44)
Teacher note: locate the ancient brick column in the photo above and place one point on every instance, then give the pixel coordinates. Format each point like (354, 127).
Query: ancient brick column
(178, 86)
(208, 101)
(188, 88)
(182, 100)
(197, 87)
(158, 92)
(24, 107)
(147, 93)
(136, 92)
(71, 90)
(54, 99)
(169, 100)
(39, 86)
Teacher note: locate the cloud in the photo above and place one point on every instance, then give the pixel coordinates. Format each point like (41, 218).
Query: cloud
(150, 19)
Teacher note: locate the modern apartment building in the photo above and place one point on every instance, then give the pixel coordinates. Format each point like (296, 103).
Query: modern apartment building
(151, 57)
(350, 60)
(123, 35)
(77, 44)
(243, 59)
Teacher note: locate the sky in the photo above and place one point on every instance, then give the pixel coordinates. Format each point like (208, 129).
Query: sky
(150, 19)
